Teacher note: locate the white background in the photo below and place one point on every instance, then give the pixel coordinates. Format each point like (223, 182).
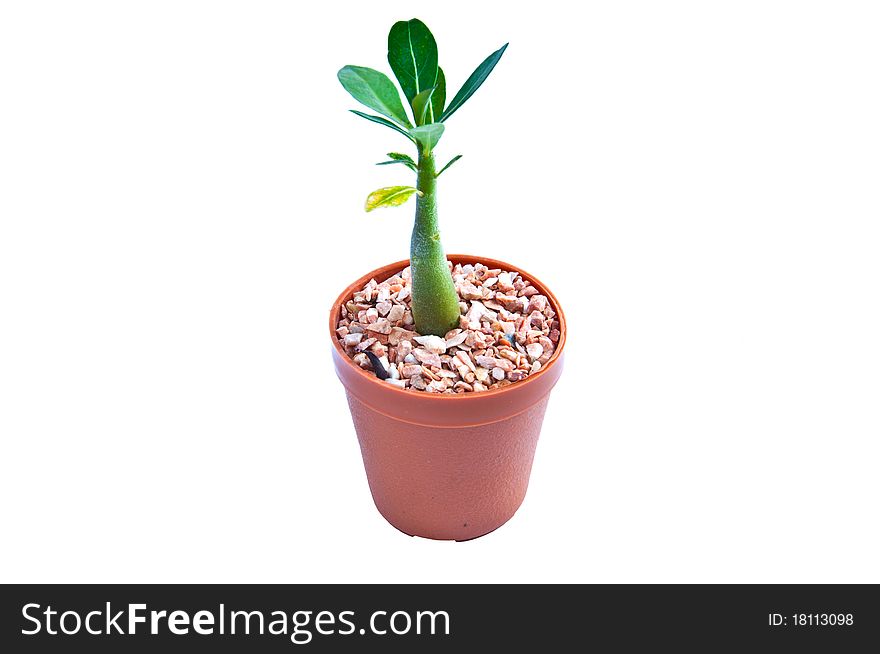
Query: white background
(181, 192)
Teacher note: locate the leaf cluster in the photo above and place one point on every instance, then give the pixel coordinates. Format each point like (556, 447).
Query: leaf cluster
(412, 55)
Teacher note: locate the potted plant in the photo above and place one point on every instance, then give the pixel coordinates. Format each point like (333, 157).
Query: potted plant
(447, 363)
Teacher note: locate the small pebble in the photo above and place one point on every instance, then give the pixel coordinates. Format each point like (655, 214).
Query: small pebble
(457, 339)
(417, 382)
(383, 308)
(432, 343)
(534, 350)
(486, 362)
(395, 313)
(426, 357)
(382, 326)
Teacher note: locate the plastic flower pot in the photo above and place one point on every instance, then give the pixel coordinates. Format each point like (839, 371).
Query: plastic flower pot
(447, 466)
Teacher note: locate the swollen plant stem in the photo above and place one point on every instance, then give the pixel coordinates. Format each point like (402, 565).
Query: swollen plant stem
(434, 299)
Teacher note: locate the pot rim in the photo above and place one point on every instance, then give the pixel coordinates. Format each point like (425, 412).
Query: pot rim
(449, 397)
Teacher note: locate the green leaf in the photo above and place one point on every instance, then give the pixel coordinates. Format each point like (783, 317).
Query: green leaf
(375, 90)
(390, 196)
(408, 164)
(383, 121)
(401, 157)
(405, 159)
(438, 100)
(473, 82)
(412, 53)
(427, 135)
(420, 105)
(451, 161)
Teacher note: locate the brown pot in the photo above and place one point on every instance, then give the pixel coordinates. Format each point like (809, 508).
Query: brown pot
(449, 467)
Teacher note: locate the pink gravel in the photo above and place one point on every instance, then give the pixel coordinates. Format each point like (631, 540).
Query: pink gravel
(507, 331)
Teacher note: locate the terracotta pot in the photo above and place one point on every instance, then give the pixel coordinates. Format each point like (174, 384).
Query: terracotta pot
(449, 467)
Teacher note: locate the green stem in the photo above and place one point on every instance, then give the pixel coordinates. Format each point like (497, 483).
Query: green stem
(434, 299)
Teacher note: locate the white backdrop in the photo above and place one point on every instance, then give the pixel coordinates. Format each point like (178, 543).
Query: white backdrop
(181, 194)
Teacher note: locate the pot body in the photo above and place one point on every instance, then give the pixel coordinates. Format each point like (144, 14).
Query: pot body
(448, 467)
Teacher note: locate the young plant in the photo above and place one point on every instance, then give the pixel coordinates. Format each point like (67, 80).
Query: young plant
(412, 54)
